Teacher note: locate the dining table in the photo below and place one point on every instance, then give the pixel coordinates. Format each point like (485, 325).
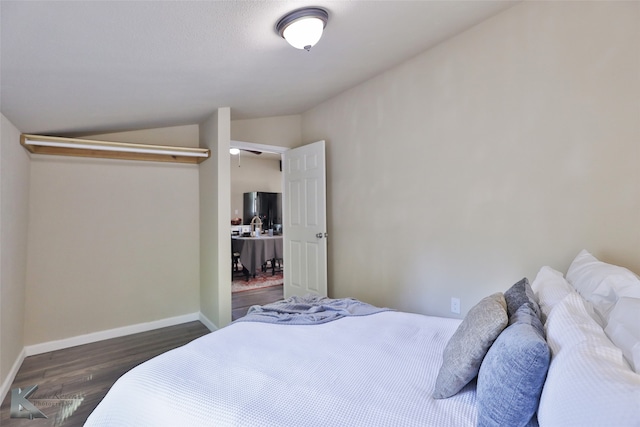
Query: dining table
(256, 251)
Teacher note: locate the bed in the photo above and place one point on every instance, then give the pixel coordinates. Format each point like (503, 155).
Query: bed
(534, 354)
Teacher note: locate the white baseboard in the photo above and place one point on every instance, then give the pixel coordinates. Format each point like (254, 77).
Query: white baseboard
(6, 384)
(206, 322)
(110, 333)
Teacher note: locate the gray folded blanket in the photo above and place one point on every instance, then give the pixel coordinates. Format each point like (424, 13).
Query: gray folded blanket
(308, 310)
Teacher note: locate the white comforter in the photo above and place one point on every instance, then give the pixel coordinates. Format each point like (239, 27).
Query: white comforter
(376, 370)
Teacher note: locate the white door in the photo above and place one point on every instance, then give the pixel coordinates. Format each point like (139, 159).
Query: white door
(305, 220)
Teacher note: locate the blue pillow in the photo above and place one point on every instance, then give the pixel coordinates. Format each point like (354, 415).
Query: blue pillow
(513, 372)
(518, 294)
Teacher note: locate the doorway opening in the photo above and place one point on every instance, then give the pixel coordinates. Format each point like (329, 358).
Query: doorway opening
(255, 169)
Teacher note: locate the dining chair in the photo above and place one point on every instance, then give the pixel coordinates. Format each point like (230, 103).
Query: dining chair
(235, 263)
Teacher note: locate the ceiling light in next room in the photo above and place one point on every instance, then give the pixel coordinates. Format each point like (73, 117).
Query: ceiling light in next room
(303, 28)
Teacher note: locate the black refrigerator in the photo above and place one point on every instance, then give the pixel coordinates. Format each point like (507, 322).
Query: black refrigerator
(267, 206)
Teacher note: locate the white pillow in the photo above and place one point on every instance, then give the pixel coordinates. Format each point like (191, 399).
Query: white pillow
(624, 329)
(570, 321)
(601, 283)
(589, 382)
(550, 287)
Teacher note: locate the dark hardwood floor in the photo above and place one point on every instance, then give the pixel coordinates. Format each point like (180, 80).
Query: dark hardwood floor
(71, 382)
(241, 301)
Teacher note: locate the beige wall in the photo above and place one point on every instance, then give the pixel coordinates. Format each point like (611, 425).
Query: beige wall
(215, 246)
(111, 243)
(181, 136)
(282, 131)
(252, 174)
(14, 205)
(509, 147)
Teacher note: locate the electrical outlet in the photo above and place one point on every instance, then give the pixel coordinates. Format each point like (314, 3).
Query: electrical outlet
(455, 305)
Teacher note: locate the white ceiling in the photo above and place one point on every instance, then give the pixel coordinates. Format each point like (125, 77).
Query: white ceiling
(81, 67)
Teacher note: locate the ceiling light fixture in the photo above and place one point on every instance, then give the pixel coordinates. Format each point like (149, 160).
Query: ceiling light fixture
(303, 28)
(234, 151)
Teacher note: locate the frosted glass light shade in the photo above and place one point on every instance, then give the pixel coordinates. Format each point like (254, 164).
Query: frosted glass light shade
(234, 151)
(303, 28)
(304, 33)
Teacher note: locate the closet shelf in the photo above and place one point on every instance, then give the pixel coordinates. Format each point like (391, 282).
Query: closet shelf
(59, 146)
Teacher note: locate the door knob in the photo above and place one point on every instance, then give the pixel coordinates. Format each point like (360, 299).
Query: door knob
(321, 235)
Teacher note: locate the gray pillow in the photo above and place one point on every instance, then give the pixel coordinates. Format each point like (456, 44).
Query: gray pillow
(513, 372)
(518, 294)
(467, 347)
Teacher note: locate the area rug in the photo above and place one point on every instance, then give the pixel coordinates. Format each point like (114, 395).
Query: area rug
(262, 280)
